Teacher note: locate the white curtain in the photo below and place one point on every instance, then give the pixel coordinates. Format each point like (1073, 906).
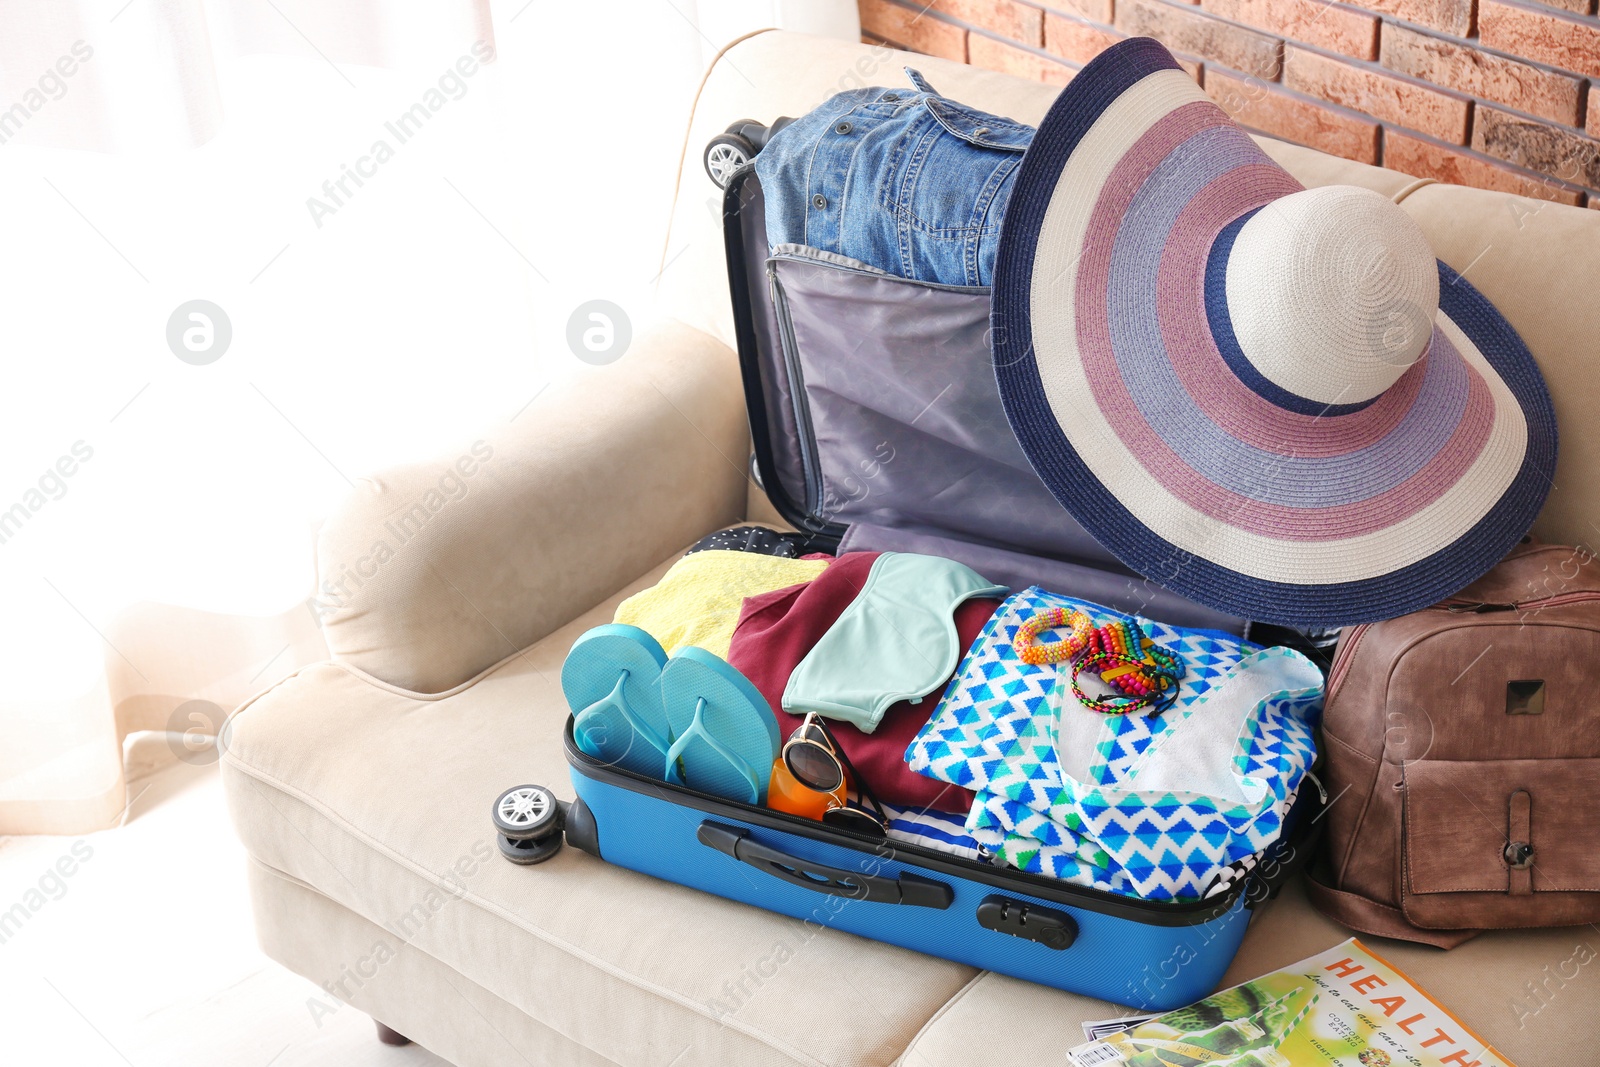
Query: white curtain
(380, 305)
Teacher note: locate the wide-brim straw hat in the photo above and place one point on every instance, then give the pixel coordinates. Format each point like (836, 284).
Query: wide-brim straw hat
(1272, 400)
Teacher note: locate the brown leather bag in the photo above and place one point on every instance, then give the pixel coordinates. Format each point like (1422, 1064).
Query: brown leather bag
(1462, 747)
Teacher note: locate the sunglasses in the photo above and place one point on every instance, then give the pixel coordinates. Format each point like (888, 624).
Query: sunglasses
(818, 762)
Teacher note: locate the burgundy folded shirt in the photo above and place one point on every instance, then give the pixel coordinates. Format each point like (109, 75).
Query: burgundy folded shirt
(775, 632)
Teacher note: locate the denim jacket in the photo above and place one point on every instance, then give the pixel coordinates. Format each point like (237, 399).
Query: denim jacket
(910, 182)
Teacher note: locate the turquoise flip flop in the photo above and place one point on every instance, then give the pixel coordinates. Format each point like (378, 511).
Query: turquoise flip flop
(726, 735)
(612, 681)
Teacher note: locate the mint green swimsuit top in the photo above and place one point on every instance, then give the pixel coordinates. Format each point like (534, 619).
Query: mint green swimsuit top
(896, 641)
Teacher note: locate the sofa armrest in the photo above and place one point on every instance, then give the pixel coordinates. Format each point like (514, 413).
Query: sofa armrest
(432, 572)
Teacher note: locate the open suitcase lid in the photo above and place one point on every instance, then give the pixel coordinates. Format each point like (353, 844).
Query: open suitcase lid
(877, 424)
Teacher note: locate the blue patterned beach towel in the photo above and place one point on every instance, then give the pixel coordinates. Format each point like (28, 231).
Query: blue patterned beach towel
(1114, 809)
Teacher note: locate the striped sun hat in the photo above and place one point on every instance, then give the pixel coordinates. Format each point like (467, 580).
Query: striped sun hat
(1272, 400)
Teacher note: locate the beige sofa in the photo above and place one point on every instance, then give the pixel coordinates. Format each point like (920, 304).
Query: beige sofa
(361, 786)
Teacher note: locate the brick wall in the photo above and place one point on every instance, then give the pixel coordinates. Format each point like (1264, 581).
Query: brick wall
(1500, 94)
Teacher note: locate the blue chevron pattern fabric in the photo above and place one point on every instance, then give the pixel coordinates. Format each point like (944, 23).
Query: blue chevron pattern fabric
(1129, 820)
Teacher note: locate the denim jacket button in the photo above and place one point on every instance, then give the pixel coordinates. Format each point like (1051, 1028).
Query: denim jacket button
(843, 127)
(819, 201)
(891, 97)
(981, 131)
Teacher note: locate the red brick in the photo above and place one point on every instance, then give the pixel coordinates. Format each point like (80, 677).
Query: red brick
(1314, 22)
(1189, 31)
(1560, 153)
(1093, 10)
(1196, 69)
(1007, 18)
(1451, 16)
(1427, 159)
(1594, 110)
(914, 30)
(1009, 59)
(1262, 107)
(1077, 42)
(1577, 7)
(1476, 73)
(1541, 36)
(1393, 100)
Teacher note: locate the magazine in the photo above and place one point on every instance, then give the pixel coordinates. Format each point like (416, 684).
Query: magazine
(1345, 1007)
(1097, 1028)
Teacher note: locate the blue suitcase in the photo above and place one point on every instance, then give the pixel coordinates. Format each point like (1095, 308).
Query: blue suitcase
(877, 425)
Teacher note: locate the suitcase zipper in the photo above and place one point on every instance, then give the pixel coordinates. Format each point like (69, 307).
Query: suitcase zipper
(1342, 658)
(797, 399)
(1481, 607)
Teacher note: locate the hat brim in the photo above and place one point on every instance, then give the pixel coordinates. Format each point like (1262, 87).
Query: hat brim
(1338, 515)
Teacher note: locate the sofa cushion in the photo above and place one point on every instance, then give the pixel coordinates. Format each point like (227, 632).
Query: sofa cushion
(379, 800)
(430, 572)
(431, 1003)
(1537, 262)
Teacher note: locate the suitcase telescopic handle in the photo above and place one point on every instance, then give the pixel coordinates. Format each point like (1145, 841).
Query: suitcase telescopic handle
(905, 889)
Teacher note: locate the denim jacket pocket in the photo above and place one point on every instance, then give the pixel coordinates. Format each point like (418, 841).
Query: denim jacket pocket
(949, 181)
(951, 196)
(978, 128)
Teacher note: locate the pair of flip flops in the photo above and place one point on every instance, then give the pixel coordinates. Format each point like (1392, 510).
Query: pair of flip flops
(691, 720)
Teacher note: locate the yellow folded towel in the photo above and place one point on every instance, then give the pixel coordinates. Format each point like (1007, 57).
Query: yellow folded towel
(697, 601)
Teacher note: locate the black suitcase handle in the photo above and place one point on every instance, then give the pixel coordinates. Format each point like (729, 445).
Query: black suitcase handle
(906, 889)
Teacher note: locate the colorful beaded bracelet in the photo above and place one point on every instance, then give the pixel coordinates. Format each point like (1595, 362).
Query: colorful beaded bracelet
(1145, 686)
(1146, 674)
(1147, 663)
(1031, 652)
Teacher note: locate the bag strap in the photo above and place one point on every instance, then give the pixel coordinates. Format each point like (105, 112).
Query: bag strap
(1370, 917)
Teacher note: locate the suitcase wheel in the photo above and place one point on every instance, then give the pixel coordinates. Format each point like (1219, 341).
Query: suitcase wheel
(525, 853)
(726, 153)
(529, 820)
(738, 145)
